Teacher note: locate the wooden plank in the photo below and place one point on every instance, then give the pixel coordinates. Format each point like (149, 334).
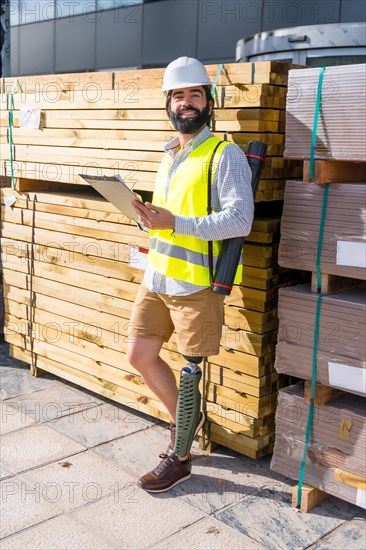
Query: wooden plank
(273, 72)
(133, 140)
(90, 248)
(109, 327)
(238, 422)
(68, 258)
(256, 407)
(91, 382)
(133, 96)
(252, 321)
(323, 394)
(333, 171)
(228, 378)
(253, 254)
(241, 443)
(332, 283)
(233, 359)
(235, 125)
(60, 173)
(244, 362)
(310, 497)
(94, 207)
(110, 231)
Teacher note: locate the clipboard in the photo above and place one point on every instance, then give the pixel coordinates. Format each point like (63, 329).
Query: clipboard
(116, 192)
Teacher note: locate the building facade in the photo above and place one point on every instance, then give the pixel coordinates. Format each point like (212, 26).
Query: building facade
(63, 36)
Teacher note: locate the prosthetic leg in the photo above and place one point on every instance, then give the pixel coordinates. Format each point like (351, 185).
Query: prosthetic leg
(188, 407)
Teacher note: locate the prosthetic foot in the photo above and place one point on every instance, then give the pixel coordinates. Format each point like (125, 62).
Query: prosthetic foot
(188, 408)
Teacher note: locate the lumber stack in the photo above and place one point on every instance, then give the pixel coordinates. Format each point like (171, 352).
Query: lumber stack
(71, 260)
(116, 123)
(322, 325)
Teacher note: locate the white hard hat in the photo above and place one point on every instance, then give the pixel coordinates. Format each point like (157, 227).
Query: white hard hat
(185, 72)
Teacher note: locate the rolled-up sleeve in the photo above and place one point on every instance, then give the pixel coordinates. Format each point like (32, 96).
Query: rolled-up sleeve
(232, 201)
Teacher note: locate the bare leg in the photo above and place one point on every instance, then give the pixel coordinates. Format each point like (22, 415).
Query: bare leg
(143, 354)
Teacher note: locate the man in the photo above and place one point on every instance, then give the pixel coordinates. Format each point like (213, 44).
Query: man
(176, 293)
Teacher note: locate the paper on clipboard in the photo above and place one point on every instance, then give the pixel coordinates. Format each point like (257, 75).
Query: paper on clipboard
(115, 191)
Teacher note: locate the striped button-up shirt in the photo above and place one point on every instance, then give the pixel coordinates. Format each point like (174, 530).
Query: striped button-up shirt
(232, 202)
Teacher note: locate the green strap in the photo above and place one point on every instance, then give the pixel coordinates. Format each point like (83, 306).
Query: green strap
(11, 140)
(315, 124)
(309, 424)
(315, 347)
(321, 236)
(214, 85)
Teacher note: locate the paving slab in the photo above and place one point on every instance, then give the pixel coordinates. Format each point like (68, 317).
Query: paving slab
(22, 506)
(35, 446)
(139, 452)
(48, 404)
(223, 478)
(7, 362)
(16, 382)
(350, 535)
(134, 519)
(79, 479)
(5, 472)
(267, 517)
(99, 424)
(54, 534)
(12, 418)
(208, 534)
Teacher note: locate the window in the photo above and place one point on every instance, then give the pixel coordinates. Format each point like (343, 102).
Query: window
(70, 8)
(109, 4)
(31, 11)
(14, 12)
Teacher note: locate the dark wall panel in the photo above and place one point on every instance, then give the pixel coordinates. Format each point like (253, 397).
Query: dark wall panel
(169, 31)
(278, 14)
(222, 23)
(36, 48)
(14, 51)
(119, 38)
(75, 44)
(353, 11)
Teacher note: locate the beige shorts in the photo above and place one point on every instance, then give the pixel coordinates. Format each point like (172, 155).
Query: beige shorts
(196, 318)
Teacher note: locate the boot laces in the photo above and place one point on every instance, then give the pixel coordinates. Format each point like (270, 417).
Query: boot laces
(166, 461)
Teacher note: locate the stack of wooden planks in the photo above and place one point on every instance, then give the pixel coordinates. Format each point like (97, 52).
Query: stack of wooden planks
(71, 268)
(116, 123)
(322, 326)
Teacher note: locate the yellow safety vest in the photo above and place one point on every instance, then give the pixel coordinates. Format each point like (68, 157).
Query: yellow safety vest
(178, 256)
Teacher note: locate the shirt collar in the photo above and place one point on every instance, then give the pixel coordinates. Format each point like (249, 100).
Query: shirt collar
(174, 143)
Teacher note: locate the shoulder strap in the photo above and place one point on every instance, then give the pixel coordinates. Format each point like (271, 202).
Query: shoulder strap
(209, 208)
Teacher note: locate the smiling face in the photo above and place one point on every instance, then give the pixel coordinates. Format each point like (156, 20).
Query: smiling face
(189, 109)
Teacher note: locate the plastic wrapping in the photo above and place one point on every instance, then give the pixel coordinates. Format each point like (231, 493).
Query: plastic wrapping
(341, 128)
(341, 347)
(336, 457)
(344, 228)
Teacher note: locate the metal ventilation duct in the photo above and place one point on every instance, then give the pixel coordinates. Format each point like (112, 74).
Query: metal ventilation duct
(313, 45)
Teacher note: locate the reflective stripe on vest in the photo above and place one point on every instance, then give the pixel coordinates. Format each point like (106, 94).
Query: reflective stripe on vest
(181, 257)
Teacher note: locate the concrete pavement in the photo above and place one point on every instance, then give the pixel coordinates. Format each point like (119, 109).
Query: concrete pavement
(69, 464)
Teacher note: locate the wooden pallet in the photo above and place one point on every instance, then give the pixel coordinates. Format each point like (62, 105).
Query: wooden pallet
(332, 283)
(335, 171)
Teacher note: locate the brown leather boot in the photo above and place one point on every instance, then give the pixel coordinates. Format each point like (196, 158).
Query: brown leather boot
(167, 474)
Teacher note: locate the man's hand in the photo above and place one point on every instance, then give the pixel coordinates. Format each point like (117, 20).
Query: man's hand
(154, 217)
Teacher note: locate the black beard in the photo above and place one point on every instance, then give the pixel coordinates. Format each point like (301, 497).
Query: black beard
(190, 125)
